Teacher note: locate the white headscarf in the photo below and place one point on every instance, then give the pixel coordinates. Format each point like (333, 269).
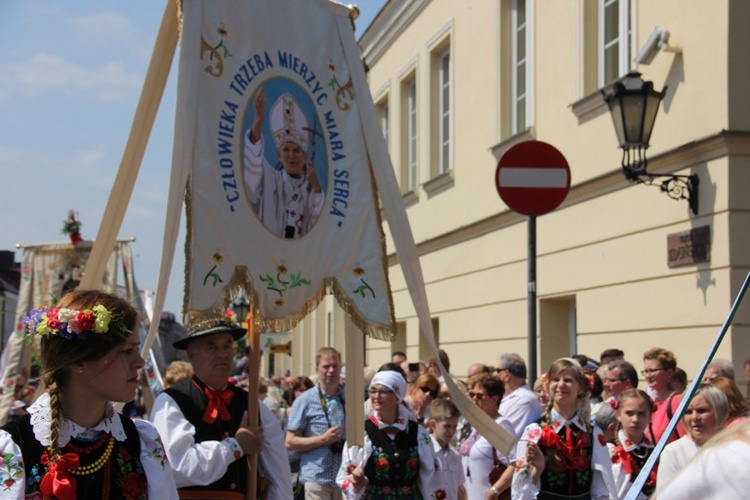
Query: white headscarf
(392, 380)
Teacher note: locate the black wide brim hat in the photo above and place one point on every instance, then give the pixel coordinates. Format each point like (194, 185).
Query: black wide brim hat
(235, 331)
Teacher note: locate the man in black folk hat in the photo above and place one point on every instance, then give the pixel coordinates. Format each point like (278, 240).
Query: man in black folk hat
(203, 424)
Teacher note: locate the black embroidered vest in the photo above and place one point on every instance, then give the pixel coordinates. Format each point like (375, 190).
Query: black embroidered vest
(568, 483)
(123, 472)
(193, 402)
(393, 467)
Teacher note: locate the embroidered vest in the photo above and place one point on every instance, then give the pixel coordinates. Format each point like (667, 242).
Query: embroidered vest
(122, 476)
(393, 468)
(193, 402)
(559, 478)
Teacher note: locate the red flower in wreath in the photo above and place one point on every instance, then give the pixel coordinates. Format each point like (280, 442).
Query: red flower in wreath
(413, 463)
(86, 320)
(381, 463)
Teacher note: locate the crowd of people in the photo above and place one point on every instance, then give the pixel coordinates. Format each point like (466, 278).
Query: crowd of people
(584, 430)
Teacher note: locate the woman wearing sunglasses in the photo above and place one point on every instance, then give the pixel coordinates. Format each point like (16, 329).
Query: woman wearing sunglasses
(478, 456)
(420, 395)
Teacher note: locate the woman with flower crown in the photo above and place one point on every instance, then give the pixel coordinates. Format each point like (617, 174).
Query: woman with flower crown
(631, 448)
(562, 455)
(73, 444)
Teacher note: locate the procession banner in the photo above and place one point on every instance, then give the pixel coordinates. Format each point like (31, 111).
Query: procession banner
(48, 271)
(280, 201)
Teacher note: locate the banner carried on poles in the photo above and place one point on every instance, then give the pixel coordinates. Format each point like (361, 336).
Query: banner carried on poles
(281, 201)
(48, 272)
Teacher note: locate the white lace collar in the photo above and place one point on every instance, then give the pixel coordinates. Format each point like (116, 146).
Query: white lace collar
(41, 418)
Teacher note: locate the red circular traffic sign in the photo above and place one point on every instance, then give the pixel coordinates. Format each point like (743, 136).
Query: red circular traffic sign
(533, 178)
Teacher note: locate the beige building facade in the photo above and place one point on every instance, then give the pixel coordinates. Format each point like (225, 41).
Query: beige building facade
(457, 83)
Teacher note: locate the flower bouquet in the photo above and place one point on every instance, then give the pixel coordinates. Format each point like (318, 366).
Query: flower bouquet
(72, 227)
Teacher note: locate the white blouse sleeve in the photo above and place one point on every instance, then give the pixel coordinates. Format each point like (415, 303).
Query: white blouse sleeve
(603, 483)
(522, 485)
(193, 463)
(273, 457)
(353, 458)
(12, 474)
(155, 464)
(428, 484)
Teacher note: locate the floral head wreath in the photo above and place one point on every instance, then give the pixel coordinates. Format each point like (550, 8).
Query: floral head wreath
(70, 324)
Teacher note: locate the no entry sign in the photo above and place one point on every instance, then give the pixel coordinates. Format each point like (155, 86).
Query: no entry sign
(533, 178)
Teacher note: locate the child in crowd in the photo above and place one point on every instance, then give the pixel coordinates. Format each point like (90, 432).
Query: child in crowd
(449, 475)
(631, 447)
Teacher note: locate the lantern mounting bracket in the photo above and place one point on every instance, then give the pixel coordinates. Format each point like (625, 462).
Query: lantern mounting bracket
(633, 105)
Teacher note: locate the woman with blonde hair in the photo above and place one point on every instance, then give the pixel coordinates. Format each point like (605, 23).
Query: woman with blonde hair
(420, 395)
(718, 471)
(73, 444)
(563, 455)
(737, 402)
(659, 366)
(177, 371)
(704, 417)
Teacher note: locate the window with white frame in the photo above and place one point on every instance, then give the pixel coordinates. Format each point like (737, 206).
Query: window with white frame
(520, 66)
(411, 135)
(383, 118)
(445, 141)
(614, 40)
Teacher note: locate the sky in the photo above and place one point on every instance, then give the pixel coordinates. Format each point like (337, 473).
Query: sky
(71, 75)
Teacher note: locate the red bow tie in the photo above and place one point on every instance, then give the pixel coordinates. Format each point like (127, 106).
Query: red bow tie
(217, 405)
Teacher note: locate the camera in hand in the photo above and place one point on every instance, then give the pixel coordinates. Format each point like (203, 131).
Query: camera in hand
(337, 447)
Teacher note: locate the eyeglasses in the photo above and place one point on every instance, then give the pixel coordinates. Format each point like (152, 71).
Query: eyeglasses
(478, 395)
(613, 380)
(500, 370)
(380, 392)
(649, 372)
(427, 390)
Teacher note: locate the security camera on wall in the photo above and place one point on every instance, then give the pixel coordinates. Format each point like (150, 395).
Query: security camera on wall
(656, 41)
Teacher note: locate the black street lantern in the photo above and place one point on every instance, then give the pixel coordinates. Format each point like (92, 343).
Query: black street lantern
(241, 308)
(633, 105)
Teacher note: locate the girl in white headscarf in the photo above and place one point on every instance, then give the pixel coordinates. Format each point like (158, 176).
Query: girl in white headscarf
(397, 460)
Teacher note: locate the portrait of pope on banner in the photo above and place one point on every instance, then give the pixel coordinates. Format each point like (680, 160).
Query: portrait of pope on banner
(287, 192)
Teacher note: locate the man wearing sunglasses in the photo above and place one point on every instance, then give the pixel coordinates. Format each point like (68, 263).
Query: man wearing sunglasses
(519, 405)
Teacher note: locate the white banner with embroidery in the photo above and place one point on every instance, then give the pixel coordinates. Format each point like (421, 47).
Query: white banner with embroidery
(281, 200)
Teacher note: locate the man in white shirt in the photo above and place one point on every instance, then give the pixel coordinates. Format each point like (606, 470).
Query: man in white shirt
(203, 423)
(519, 405)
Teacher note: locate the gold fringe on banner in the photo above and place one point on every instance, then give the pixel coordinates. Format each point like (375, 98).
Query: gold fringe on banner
(242, 282)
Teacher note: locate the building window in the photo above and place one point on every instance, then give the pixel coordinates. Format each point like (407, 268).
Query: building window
(520, 66)
(444, 111)
(614, 40)
(382, 109)
(411, 134)
(409, 178)
(516, 111)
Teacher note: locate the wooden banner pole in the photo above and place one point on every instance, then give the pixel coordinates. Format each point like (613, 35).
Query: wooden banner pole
(354, 345)
(148, 105)
(253, 341)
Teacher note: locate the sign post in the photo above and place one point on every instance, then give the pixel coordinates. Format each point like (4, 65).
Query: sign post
(532, 178)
